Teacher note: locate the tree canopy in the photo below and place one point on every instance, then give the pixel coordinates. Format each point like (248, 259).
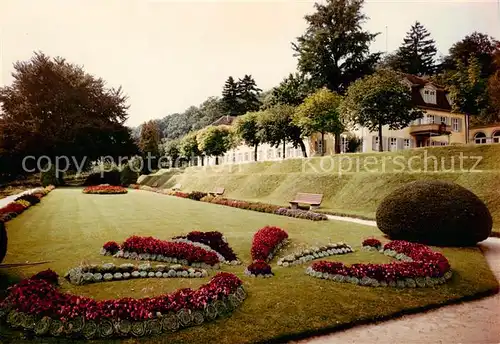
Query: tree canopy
(335, 50)
(55, 108)
(247, 129)
(214, 140)
(380, 99)
(319, 113)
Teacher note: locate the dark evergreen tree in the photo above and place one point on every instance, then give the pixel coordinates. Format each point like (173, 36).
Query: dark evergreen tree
(416, 54)
(248, 95)
(335, 50)
(230, 97)
(292, 90)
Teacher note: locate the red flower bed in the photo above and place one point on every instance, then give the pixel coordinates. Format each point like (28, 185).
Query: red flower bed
(179, 250)
(181, 194)
(215, 240)
(23, 202)
(40, 298)
(259, 267)
(372, 242)
(111, 246)
(424, 263)
(266, 242)
(105, 189)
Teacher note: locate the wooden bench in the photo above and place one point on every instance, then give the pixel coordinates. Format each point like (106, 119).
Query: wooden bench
(314, 200)
(218, 191)
(176, 187)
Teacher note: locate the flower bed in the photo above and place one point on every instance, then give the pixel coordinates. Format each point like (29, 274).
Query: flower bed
(149, 248)
(21, 203)
(371, 244)
(109, 272)
(211, 241)
(37, 306)
(301, 214)
(304, 256)
(420, 267)
(267, 241)
(259, 268)
(105, 190)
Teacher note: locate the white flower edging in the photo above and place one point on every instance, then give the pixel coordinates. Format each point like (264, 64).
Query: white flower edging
(312, 253)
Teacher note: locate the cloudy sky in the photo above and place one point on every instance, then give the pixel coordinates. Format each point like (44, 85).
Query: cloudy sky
(168, 55)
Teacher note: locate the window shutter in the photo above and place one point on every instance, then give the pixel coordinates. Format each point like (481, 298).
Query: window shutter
(460, 124)
(374, 146)
(385, 143)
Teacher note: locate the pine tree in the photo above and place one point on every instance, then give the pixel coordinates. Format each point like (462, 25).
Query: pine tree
(248, 94)
(230, 97)
(416, 54)
(335, 50)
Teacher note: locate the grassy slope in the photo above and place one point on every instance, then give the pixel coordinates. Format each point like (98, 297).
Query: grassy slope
(353, 192)
(69, 228)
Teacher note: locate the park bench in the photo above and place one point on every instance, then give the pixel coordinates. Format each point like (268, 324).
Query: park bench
(314, 200)
(176, 187)
(218, 191)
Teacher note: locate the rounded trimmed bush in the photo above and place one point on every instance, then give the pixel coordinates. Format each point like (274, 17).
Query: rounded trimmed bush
(3, 241)
(434, 212)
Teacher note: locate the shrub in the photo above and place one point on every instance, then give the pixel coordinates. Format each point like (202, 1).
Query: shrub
(128, 176)
(3, 241)
(49, 177)
(196, 195)
(436, 213)
(98, 178)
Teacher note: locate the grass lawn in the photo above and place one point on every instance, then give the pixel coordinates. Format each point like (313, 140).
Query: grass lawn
(69, 227)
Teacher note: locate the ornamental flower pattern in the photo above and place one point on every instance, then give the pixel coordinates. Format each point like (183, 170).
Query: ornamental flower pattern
(74, 315)
(150, 248)
(266, 242)
(215, 241)
(13, 209)
(420, 267)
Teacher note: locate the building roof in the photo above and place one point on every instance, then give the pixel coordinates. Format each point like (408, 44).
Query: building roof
(224, 120)
(417, 83)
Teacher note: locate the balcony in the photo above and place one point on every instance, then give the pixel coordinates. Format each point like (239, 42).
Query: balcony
(430, 129)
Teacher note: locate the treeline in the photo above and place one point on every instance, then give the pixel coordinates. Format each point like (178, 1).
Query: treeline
(333, 53)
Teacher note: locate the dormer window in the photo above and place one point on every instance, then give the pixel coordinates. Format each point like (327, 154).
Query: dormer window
(429, 95)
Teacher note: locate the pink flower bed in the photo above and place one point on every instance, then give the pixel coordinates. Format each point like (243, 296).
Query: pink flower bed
(83, 316)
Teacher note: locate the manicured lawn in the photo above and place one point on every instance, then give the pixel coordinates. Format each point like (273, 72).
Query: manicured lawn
(69, 227)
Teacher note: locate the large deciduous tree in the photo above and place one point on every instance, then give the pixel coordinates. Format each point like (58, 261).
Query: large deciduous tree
(247, 129)
(320, 113)
(214, 141)
(476, 45)
(172, 150)
(416, 54)
(149, 139)
(55, 108)
(292, 90)
(380, 99)
(494, 90)
(468, 89)
(276, 128)
(335, 50)
(188, 147)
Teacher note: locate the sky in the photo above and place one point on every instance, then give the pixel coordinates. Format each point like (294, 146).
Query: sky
(169, 55)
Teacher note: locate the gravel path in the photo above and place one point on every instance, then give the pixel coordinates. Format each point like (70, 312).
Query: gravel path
(471, 322)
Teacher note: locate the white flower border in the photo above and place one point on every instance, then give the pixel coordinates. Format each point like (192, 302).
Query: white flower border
(84, 275)
(159, 257)
(312, 253)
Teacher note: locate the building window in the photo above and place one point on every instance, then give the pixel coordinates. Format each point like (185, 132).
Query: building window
(496, 137)
(480, 138)
(454, 124)
(319, 146)
(444, 120)
(278, 153)
(406, 143)
(429, 96)
(234, 157)
(429, 119)
(246, 156)
(375, 143)
(240, 157)
(269, 154)
(393, 143)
